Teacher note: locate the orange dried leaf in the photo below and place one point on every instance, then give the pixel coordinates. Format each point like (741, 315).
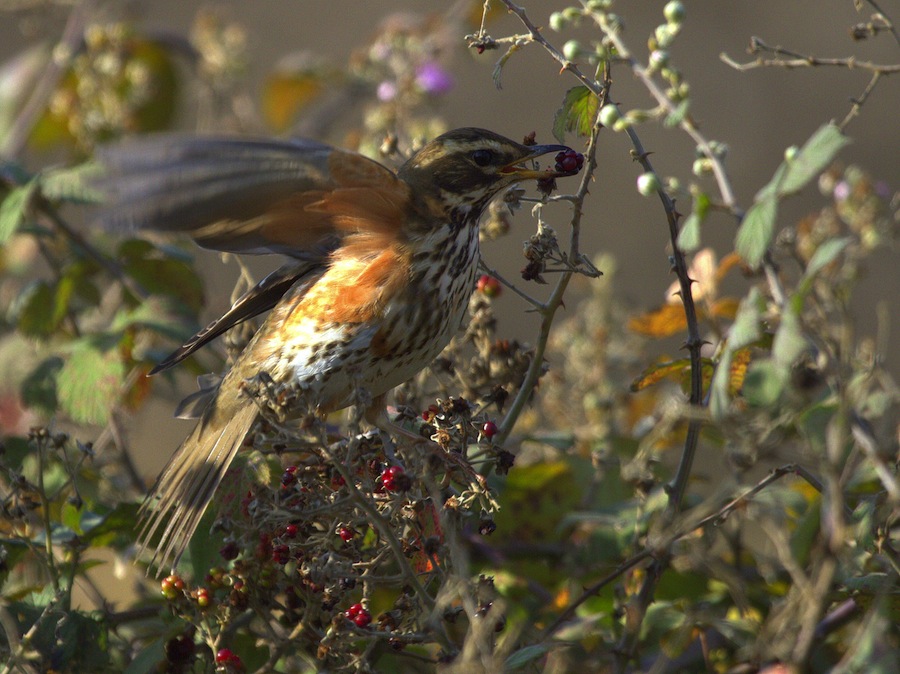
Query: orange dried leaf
(724, 308)
(658, 372)
(740, 360)
(666, 321)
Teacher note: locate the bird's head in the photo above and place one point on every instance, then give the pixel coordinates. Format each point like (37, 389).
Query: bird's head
(461, 170)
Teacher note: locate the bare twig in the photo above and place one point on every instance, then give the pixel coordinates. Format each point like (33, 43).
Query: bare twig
(798, 60)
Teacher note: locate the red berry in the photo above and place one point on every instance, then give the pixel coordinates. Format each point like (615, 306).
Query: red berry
(394, 478)
(353, 611)
(229, 551)
(346, 534)
(362, 619)
(225, 656)
(489, 429)
(171, 587)
(289, 476)
(290, 531)
(489, 286)
(569, 161)
(281, 554)
(202, 596)
(337, 482)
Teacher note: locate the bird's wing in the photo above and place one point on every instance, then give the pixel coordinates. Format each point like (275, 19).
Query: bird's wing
(257, 300)
(241, 195)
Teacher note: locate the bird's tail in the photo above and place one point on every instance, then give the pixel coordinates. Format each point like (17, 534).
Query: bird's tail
(186, 486)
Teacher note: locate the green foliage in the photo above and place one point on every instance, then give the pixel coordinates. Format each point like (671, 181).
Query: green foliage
(575, 558)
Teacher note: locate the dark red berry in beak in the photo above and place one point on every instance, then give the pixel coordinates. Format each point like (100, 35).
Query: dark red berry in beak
(569, 161)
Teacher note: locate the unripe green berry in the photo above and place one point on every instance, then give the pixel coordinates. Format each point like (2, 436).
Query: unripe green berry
(674, 12)
(664, 35)
(572, 49)
(701, 166)
(659, 58)
(609, 115)
(571, 13)
(557, 21)
(790, 153)
(648, 183)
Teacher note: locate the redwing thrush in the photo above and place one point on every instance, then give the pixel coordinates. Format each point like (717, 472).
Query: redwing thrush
(382, 267)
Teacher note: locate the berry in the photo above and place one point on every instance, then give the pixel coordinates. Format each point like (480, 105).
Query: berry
(394, 478)
(229, 551)
(488, 285)
(609, 115)
(674, 12)
(337, 481)
(289, 476)
(227, 658)
(489, 429)
(290, 531)
(179, 649)
(353, 611)
(572, 49)
(362, 619)
(569, 161)
(432, 411)
(171, 587)
(346, 534)
(648, 183)
(281, 554)
(201, 594)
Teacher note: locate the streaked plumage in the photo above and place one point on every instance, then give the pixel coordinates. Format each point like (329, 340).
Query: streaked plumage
(381, 269)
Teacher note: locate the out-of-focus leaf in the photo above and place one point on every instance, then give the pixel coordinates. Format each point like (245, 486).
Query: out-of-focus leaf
(37, 311)
(14, 209)
(689, 236)
(824, 255)
(577, 113)
(744, 332)
(160, 274)
(149, 659)
(666, 321)
(756, 231)
(38, 389)
(90, 381)
(764, 383)
(525, 655)
(789, 341)
(286, 93)
(811, 160)
(726, 307)
(158, 314)
(72, 184)
(660, 371)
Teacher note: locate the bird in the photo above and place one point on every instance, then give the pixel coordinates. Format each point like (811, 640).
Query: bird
(381, 266)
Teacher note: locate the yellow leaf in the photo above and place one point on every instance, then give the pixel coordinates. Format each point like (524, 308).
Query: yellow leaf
(666, 321)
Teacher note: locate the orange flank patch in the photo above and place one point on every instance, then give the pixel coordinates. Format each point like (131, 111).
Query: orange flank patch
(356, 288)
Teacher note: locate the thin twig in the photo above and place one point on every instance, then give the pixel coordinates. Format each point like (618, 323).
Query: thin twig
(887, 20)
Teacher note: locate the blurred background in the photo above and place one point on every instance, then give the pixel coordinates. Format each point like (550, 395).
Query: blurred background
(283, 70)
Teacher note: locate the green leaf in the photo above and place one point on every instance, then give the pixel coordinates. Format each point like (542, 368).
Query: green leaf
(38, 389)
(37, 311)
(525, 655)
(14, 209)
(755, 234)
(90, 382)
(825, 254)
(689, 236)
(764, 383)
(577, 113)
(159, 314)
(74, 184)
(814, 156)
(159, 274)
(789, 341)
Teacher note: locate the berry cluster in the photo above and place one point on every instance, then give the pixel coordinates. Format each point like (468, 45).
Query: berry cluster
(394, 478)
(358, 615)
(569, 162)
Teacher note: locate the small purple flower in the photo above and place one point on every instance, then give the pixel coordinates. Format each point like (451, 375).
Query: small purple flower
(841, 191)
(433, 79)
(387, 91)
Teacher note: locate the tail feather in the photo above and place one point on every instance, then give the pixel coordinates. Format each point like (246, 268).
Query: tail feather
(186, 486)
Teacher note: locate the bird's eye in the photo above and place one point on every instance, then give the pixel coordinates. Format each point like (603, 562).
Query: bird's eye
(482, 157)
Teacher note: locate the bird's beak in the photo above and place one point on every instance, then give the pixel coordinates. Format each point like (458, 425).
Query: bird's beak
(558, 171)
